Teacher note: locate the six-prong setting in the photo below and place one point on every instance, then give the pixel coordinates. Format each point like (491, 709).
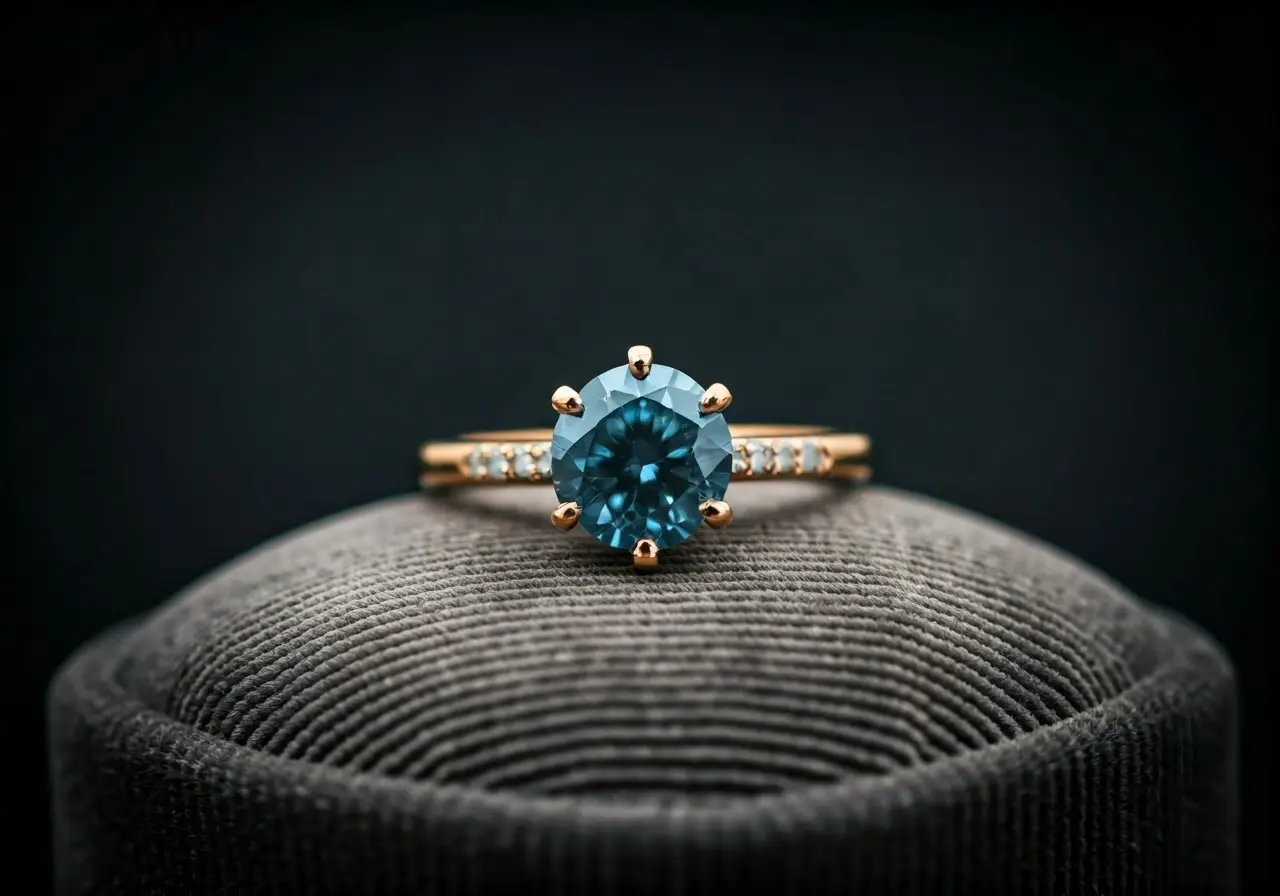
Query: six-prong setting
(643, 457)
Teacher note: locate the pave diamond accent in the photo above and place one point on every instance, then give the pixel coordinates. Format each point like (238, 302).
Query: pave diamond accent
(784, 458)
(522, 464)
(758, 457)
(498, 462)
(531, 462)
(811, 456)
(478, 463)
(787, 457)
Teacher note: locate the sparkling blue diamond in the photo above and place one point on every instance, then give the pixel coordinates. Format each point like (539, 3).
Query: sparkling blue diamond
(641, 457)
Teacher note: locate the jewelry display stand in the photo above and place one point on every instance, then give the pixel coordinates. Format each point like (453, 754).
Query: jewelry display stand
(843, 692)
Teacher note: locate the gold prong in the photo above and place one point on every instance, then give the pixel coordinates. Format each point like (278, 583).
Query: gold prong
(639, 361)
(645, 554)
(566, 516)
(715, 399)
(717, 513)
(566, 400)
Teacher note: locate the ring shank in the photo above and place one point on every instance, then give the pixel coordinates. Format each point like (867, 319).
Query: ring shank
(739, 431)
(761, 451)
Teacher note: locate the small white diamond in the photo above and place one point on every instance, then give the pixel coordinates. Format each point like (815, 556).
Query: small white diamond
(811, 457)
(739, 464)
(543, 462)
(523, 463)
(785, 459)
(497, 464)
(759, 456)
(476, 463)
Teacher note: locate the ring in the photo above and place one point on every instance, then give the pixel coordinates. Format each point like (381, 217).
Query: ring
(643, 456)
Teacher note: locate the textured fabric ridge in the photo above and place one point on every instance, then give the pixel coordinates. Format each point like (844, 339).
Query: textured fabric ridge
(861, 691)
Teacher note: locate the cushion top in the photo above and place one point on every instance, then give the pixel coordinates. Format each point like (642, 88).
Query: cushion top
(463, 640)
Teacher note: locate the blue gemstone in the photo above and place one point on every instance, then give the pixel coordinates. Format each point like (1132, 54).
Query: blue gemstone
(641, 457)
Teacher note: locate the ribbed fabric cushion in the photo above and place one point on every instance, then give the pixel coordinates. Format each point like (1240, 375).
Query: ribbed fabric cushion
(842, 692)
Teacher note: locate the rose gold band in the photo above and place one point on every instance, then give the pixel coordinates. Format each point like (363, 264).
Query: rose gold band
(762, 451)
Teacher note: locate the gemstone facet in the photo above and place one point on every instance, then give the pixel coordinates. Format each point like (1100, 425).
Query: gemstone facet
(641, 457)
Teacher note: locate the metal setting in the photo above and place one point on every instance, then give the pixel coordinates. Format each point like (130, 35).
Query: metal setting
(715, 399)
(629, 438)
(566, 400)
(718, 514)
(566, 516)
(639, 361)
(645, 554)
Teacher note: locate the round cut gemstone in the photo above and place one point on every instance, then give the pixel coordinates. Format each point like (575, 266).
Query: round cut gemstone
(641, 457)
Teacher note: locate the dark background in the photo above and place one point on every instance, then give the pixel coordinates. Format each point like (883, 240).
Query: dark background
(254, 261)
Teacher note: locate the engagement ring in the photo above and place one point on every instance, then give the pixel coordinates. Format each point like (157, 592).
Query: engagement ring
(643, 456)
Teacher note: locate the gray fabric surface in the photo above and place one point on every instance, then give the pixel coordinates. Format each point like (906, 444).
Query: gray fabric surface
(842, 692)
